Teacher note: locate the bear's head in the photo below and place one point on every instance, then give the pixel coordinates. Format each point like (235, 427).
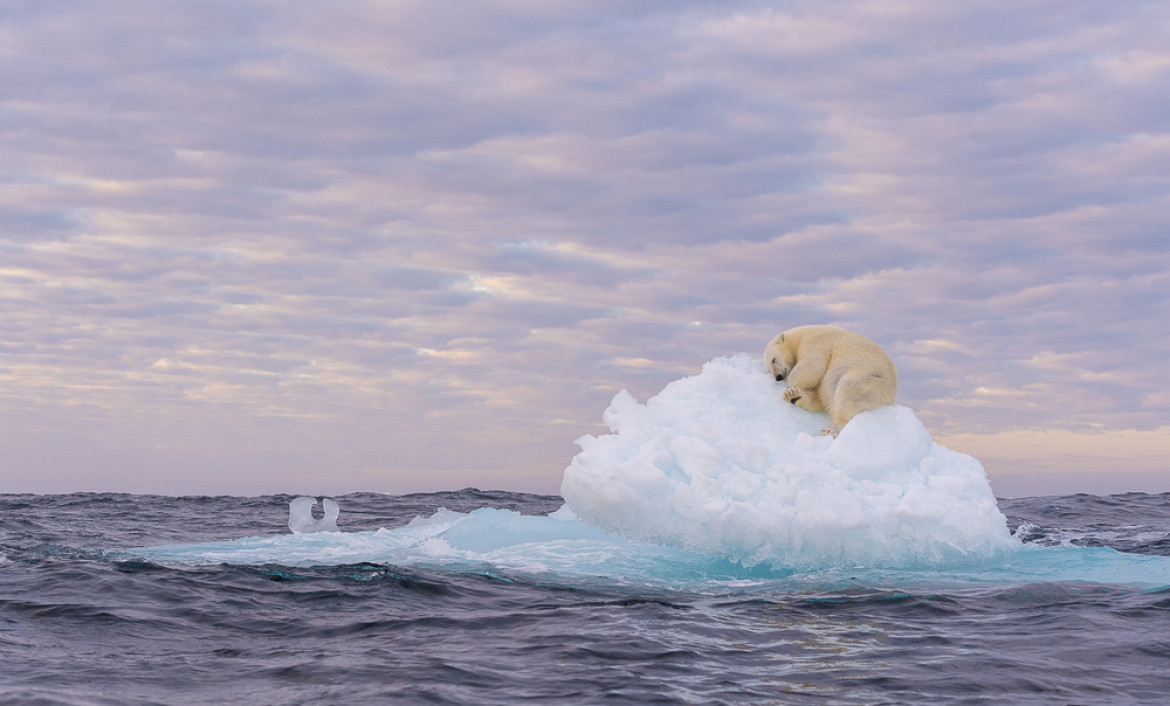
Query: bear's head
(778, 358)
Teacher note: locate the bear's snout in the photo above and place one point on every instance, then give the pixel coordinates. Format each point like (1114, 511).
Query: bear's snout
(780, 377)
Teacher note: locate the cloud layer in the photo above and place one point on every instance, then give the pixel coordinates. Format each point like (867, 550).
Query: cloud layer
(257, 246)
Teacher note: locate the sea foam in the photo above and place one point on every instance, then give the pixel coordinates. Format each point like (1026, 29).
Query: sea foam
(718, 463)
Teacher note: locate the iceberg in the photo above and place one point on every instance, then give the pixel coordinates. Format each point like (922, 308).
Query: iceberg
(718, 463)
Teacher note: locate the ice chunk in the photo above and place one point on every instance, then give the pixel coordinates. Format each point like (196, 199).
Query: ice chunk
(718, 482)
(881, 441)
(718, 463)
(301, 520)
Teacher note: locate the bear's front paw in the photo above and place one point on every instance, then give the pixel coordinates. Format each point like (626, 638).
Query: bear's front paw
(831, 431)
(793, 394)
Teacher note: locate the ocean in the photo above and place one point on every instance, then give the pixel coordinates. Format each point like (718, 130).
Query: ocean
(472, 597)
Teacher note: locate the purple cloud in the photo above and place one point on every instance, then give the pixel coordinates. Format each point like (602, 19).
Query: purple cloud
(249, 247)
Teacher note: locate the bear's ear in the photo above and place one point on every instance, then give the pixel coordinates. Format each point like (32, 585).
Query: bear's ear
(782, 338)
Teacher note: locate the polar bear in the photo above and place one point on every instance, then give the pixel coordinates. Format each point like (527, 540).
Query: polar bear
(831, 370)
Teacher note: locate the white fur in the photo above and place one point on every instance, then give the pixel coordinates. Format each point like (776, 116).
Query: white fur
(831, 370)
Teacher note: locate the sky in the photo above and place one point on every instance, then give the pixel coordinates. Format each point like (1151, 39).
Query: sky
(251, 247)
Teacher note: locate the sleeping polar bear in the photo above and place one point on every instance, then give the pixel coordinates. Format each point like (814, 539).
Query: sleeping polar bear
(831, 370)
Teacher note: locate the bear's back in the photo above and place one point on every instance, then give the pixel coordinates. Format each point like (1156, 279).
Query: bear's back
(843, 347)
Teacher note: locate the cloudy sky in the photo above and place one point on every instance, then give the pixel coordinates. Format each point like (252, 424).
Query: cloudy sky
(290, 246)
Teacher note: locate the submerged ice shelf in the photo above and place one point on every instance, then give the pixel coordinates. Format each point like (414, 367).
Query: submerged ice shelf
(561, 549)
(717, 481)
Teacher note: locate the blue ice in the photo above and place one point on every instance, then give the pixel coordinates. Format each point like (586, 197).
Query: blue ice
(561, 549)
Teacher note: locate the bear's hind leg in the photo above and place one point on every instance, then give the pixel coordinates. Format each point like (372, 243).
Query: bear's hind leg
(837, 419)
(851, 398)
(834, 428)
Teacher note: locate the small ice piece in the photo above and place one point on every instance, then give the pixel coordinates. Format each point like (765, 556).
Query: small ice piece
(301, 520)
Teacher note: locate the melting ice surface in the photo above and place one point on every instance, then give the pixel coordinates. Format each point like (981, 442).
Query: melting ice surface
(717, 482)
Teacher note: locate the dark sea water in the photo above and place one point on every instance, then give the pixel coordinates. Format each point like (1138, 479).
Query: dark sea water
(86, 618)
